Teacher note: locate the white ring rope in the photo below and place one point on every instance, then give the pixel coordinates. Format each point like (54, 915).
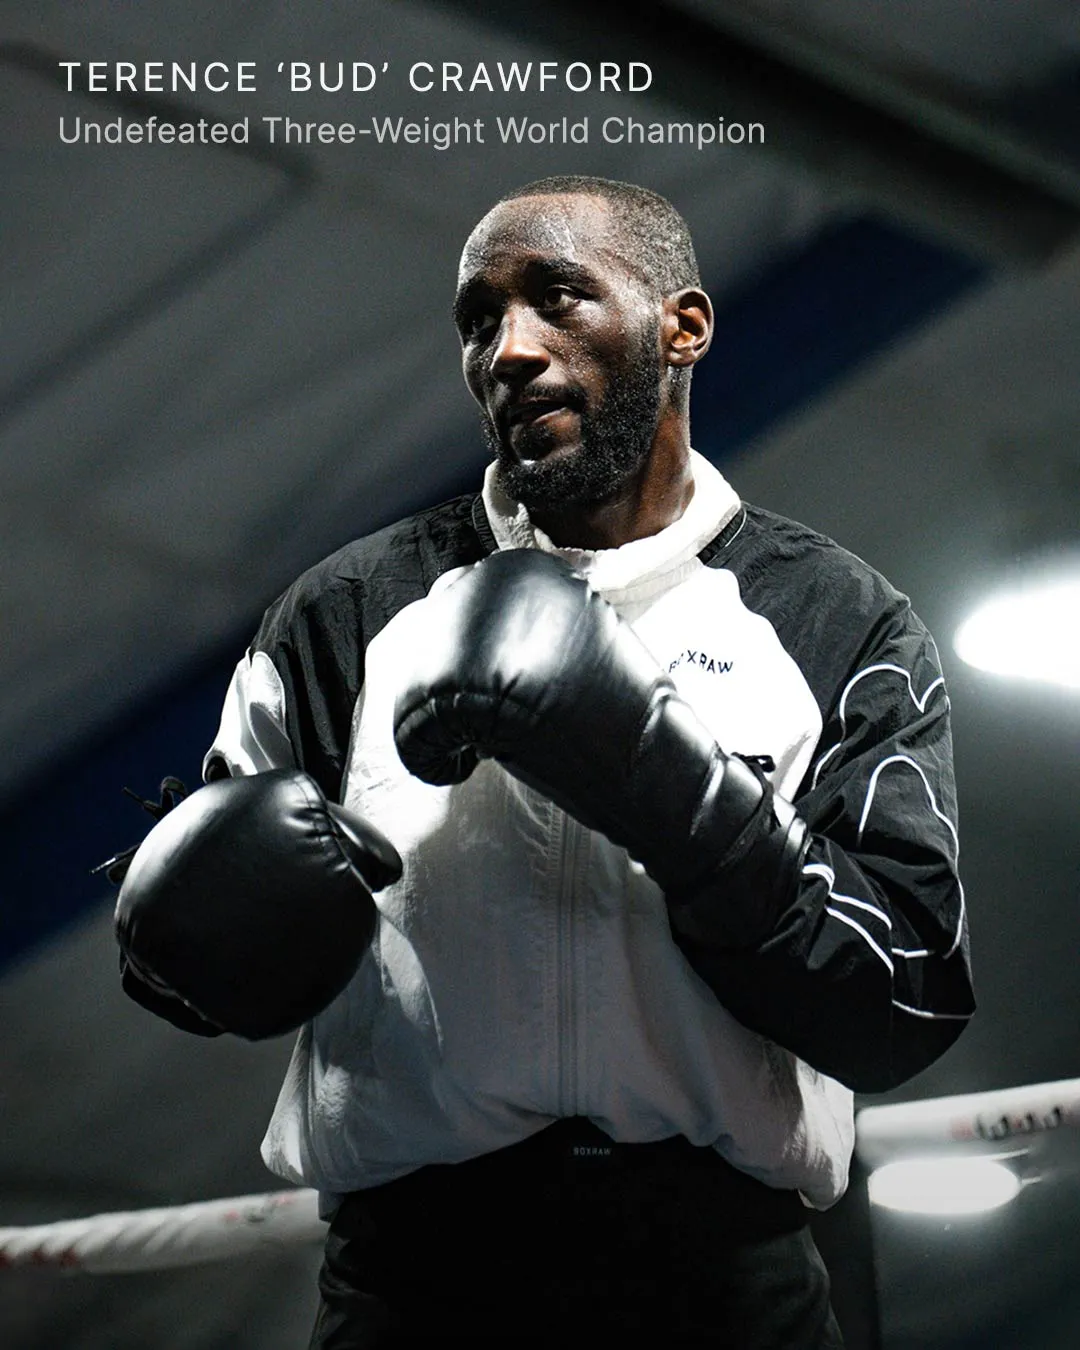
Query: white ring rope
(185, 1235)
(884, 1132)
(158, 1239)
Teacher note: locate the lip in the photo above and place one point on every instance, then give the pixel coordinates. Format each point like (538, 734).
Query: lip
(533, 410)
(525, 409)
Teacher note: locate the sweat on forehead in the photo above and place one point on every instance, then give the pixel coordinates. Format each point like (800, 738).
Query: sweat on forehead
(559, 225)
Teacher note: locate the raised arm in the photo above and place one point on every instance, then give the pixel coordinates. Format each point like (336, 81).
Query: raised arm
(864, 971)
(790, 912)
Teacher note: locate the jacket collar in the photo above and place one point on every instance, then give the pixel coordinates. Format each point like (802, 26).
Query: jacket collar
(641, 568)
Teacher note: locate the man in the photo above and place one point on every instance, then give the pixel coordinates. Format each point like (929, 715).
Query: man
(678, 843)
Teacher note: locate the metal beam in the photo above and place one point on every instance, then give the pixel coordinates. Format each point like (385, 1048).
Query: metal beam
(918, 161)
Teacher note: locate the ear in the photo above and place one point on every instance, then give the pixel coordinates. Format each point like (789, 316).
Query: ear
(687, 326)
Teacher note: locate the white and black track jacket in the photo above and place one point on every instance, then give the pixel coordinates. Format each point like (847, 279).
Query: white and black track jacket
(523, 969)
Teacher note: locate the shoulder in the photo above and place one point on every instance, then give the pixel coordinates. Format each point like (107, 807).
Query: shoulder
(775, 554)
(790, 569)
(421, 546)
(832, 611)
(367, 581)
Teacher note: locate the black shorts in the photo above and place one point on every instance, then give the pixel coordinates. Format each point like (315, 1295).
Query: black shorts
(568, 1238)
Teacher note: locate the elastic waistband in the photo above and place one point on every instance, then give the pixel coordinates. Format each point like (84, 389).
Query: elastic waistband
(574, 1161)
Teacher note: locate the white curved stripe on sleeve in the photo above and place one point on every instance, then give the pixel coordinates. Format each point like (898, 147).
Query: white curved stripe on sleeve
(252, 737)
(932, 1016)
(846, 918)
(824, 871)
(919, 703)
(872, 789)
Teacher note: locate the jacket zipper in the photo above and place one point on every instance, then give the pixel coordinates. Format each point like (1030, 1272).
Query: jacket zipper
(565, 964)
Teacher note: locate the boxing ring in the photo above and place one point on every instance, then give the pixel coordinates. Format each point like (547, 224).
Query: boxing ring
(1007, 1121)
(162, 1239)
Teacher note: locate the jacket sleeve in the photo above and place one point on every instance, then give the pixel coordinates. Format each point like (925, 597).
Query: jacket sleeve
(291, 698)
(865, 972)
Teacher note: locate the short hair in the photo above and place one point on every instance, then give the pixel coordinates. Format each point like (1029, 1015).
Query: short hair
(659, 245)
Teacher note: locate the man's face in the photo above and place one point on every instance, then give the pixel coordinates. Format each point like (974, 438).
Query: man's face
(560, 348)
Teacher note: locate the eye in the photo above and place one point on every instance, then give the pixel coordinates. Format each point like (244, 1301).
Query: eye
(558, 298)
(477, 324)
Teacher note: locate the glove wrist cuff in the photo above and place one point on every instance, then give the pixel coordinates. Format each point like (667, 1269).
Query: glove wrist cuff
(745, 896)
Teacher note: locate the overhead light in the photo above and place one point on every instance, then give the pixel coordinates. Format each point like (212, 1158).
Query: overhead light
(1030, 631)
(943, 1186)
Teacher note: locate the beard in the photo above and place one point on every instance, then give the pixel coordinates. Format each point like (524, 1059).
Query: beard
(616, 437)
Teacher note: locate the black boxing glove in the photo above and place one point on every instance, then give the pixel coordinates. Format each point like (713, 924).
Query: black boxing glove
(526, 664)
(248, 907)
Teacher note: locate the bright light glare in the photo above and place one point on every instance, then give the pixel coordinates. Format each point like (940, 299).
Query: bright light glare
(943, 1185)
(1032, 632)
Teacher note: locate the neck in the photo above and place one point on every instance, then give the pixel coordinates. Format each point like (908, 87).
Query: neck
(649, 502)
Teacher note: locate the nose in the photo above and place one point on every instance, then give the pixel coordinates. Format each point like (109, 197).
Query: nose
(519, 352)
